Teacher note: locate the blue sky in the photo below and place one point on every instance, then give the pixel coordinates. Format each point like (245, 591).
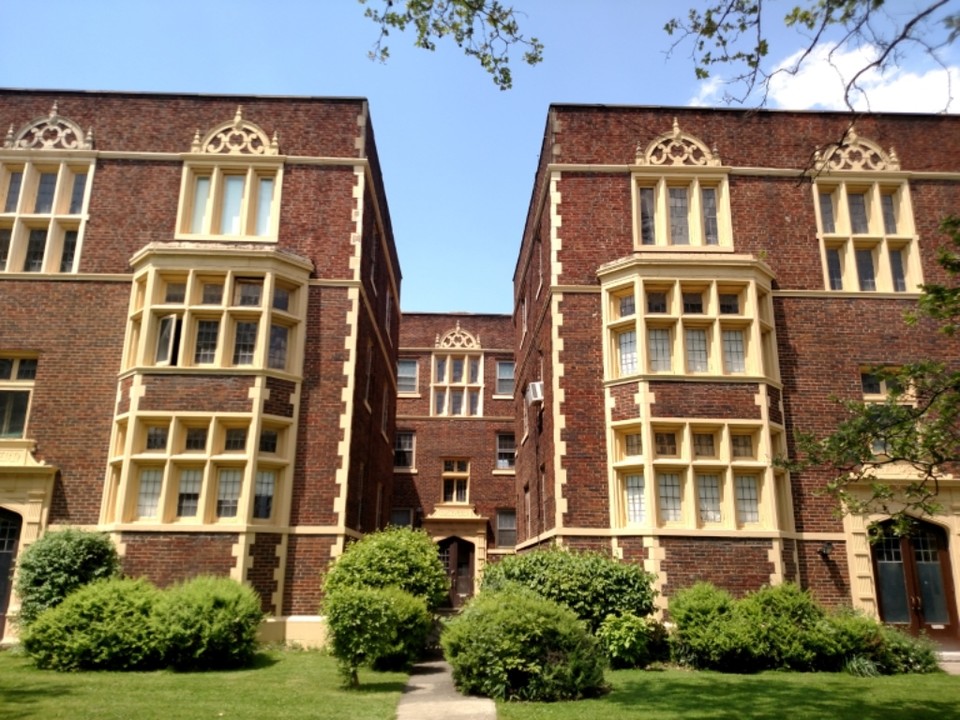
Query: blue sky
(458, 154)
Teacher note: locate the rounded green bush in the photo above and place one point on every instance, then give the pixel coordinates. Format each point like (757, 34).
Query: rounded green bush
(395, 557)
(371, 625)
(513, 644)
(706, 633)
(629, 641)
(208, 623)
(785, 625)
(591, 584)
(102, 626)
(57, 564)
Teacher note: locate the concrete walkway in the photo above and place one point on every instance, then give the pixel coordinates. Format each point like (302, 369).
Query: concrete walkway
(430, 695)
(950, 662)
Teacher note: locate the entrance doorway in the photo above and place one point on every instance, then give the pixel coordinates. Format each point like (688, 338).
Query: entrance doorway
(914, 581)
(457, 556)
(10, 524)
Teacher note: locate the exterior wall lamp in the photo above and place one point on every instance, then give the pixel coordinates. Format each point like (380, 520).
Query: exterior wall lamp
(825, 550)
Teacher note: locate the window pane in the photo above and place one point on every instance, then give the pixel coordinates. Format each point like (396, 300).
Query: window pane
(896, 270)
(196, 439)
(212, 294)
(506, 450)
(857, 202)
(734, 360)
(6, 368)
(401, 517)
(403, 450)
(232, 199)
(865, 270)
(439, 402)
(889, 215)
(228, 492)
(834, 269)
(679, 231)
(245, 343)
(268, 441)
(693, 303)
(13, 192)
(748, 508)
(235, 439)
(188, 498)
(696, 340)
(646, 217)
(506, 528)
(456, 402)
(474, 370)
(13, 412)
(264, 202)
(407, 376)
(168, 339)
(628, 306)
(246, 293)
(149, 493)
(656, 302)
(176, 292)
(505, 372)
(263, 494)
(157, 437)
(278, 347)
(441, 370)
(4, 247)
(669, 489)
(703, 445)
(69, 250)
(474, 402)
(456, 370)
(870, 384)
(207, 331)
(742, 446)
(636, 502)
(27, 369)
(729, 304)
(201, 195)
(711, 233)
(46, 186)
(659, 347)
(281, 298)
(627, 349)
(633, 445)
(708, 495)
(36, 245)
(666, 443)
(826, 212)
(76, 195)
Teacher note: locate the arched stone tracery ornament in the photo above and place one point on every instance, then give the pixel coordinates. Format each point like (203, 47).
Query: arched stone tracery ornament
(458, 339)
(52, 132)
(236, 137)
(855, 153)
(677, 148)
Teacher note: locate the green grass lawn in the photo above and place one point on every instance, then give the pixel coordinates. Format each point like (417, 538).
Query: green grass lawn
(676, 694)
(281, 685)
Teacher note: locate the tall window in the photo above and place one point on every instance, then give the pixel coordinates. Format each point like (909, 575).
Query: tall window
(682, 212)
(668, 488)
(708, 495)
(635, 501)
(43, 207)
(506, 531)
(457, 384)
(748, 499)
(456, 479)
(230, 201)
(867, 234)
(403, 449)
(505, 369)
(17, 376)
(506, 451)
(407, 376)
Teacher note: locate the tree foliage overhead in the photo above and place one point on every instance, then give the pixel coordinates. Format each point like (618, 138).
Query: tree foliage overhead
(734, 35)
(486, 30)
(890, 457)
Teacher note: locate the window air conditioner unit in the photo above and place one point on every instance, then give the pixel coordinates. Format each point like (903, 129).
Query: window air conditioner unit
(535, 393)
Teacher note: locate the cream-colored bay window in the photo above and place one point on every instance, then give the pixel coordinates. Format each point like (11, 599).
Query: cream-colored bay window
(662, 318)
(235, 200)
(241, 310)
(697, 475)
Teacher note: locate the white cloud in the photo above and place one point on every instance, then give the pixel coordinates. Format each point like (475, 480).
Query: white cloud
(820, 82)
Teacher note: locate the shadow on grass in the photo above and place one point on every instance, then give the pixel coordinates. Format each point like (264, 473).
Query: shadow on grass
(777, 695)
(371, 688)
(17, 702)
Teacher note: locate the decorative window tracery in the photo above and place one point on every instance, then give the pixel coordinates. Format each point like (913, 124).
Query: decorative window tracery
(678, 148)
(855, 154)
(236, 137)
(52, 132)
(459, 339)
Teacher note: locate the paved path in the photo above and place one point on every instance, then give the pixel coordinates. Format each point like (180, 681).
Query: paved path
(950, 662)
(430, 695)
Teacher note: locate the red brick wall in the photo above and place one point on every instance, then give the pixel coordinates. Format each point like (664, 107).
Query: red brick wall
(171, 557)
(279, 402)
(308, 557)
(827, 578)
(705, 400)
(198, 393)
(263, 551)
(738, 566)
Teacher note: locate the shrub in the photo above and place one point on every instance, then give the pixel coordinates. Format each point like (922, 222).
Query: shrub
(514, 644)
(102, 626)
(784, 625)
(589, 583)
(208, 623)
(705, 633)
(57, 564)
(904, 653)
(368, 625)
(397, 557)
(629, 641)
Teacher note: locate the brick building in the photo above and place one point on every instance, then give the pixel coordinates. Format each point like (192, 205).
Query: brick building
(198, 340)
(455, 439)
(693, 287)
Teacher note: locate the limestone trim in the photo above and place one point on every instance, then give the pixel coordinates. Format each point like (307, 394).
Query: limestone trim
(855, 154)
(52, 132)
(236, 137)
(677, 148)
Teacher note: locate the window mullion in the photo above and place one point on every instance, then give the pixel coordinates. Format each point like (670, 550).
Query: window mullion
(695, 214)
(661, 213)
(214, 207)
